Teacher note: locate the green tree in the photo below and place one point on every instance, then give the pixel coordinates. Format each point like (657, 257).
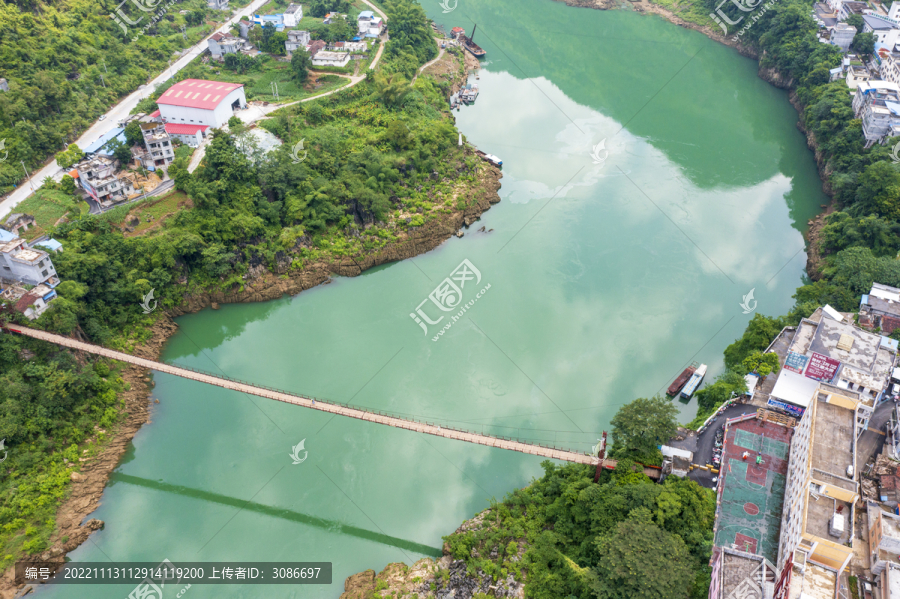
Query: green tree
(855, 20)
(120, 150)
(863, 43)
(392, 89)
(639, 426)
(133, 135)
(69, 156)
(761, 363)
(639, 559)
(728, 384)
(300, 65)
(760, 332)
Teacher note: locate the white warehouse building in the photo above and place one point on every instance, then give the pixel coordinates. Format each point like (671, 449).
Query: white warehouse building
(199, 102)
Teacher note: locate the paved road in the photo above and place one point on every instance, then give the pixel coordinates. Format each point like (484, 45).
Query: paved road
(117, 113)
(872, 440)
(702, 444)
(430, 62)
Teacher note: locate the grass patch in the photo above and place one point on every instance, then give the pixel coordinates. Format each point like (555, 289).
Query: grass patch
(184, 152)
(47, 207)
(257, 84)
(691, 12)
(153, 211)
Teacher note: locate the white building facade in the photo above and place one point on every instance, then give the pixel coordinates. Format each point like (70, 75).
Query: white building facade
(292, 15)
(200, 102)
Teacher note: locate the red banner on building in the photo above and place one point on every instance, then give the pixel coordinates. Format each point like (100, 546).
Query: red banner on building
(821, 368)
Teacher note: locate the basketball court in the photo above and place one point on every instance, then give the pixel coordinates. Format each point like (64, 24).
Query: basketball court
(753, 494)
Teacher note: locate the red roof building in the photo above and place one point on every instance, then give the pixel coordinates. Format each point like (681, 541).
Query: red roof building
(199, 102)
(179, 129)
(196, 93)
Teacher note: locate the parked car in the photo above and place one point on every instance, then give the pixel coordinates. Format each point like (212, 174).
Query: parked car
(102, 116)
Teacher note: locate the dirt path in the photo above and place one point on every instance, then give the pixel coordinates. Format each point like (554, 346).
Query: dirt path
(430, 62)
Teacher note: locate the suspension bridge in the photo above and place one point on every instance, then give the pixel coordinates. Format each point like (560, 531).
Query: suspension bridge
(327, 406)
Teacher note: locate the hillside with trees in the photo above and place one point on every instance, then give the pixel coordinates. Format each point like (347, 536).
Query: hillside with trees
(68, 62)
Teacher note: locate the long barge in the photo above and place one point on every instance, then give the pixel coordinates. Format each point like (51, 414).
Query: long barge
(683, 378)
(694, 382)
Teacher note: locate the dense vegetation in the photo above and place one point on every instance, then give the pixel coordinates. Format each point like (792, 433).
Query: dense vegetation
(53, 409)
(67, 62)
(620, 538)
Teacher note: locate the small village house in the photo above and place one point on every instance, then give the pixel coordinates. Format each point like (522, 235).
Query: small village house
(296, 39)
(323, 58)
(292, 15)
(189, 135)
(221, 44)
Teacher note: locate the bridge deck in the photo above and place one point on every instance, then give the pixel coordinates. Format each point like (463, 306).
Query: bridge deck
(306, 402)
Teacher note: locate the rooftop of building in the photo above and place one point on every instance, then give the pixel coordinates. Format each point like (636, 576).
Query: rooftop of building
(197, 93)
(95, 162)
(743, 575)
(820, 510)
(832, 443)
(893, 576)
(29, 255)
(292, 8)
(877, 24)
(10, 245)
(297, 33)
(184, 128)
(752, 495)
(874, 381)
(100, 145)
(890, 527)
(814, 582)
(847, 343)
(325, 55)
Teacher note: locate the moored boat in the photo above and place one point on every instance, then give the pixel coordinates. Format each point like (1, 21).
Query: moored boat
(694, 382)
(679, 382)
(470, 45)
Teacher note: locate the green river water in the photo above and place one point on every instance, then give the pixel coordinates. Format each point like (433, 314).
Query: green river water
(605, 280)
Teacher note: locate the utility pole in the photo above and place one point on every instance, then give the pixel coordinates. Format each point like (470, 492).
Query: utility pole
(184, 33)
(27, 176)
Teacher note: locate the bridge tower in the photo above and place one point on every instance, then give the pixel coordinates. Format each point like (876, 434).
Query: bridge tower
(601, 452)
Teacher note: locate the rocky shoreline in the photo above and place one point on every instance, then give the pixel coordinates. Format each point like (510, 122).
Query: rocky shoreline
(445, 578)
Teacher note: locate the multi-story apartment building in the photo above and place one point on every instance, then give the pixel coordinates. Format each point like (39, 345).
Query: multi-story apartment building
(877, 104)
(822, 486)
(97, 176)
